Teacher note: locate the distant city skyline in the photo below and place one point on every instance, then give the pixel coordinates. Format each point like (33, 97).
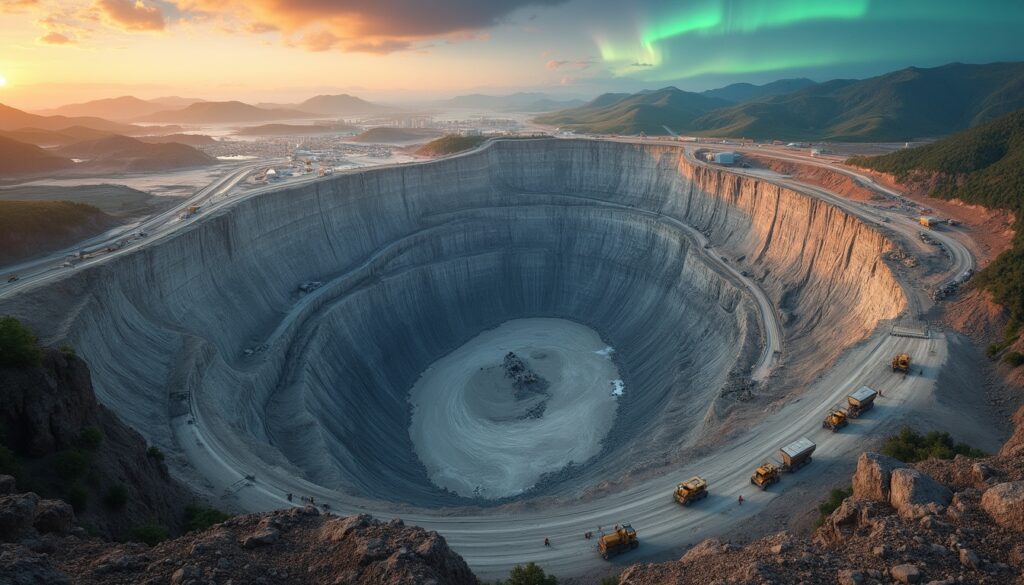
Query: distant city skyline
(58, 52)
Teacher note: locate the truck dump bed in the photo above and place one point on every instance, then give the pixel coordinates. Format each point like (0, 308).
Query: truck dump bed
(795, 453)
(862, 396)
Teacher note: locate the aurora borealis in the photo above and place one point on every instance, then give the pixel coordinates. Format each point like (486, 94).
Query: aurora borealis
(682, 40)
(407, 49)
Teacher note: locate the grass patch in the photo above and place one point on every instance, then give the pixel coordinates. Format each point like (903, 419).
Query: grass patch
(18, 347)
(835, 499)
(450, 144)
(199, 517)
(911, 446)
(529, 574)
(150, 533)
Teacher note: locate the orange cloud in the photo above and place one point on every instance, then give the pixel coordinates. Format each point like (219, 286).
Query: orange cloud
(55, 38)
(16, 6)
(375, 26)
(131, 15)
(570, 65)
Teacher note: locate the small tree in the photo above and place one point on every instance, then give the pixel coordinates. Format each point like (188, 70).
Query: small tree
(17, 344)
(90, 438)
(71, 464)
(154, 452)
(116, 497)
(200, 517)
(531, 574)
(150, 533)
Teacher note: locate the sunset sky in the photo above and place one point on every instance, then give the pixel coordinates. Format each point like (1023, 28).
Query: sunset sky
(57, 52)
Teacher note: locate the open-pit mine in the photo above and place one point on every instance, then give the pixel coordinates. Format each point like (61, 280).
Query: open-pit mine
(349, 340)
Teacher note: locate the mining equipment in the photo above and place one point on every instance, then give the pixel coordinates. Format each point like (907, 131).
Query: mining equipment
(766, 475)
(901, 363)
(621, 539)
(835, 420)
(691, 490)
(862, 400)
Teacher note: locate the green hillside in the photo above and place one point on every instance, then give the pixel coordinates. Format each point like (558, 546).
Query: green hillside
(31, 228)
(450, 144)
(645, 112)
(983, 165)
(898, 106)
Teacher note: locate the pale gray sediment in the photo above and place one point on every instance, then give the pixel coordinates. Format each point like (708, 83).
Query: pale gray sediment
(418, 260)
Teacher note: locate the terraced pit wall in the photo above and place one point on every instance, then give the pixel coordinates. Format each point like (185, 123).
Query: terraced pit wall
(418, 259)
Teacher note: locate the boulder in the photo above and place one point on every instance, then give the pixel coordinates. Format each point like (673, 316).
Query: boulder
(19, 566)
(54, 516)
(906, 573)
(915, 495)
(17, 513)
(848, 577)
(1004, 502)
(982, 473)
(969, 559)
(261, 537)
(871, 481)
(336, 530)
(851, 516)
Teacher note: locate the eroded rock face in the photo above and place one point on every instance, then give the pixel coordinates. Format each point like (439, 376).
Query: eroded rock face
(915, 495)
(873, 476)
(1004, 502)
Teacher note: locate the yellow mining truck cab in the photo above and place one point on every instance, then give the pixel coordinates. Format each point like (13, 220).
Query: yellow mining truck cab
(835, 420)
(620, 540)
(901, 363)
(766, 475)
(691, 490)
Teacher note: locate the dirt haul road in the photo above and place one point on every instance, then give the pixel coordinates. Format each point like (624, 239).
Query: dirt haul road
(649, 203)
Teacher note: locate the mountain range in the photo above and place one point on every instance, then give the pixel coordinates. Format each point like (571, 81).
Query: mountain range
(898, 106)
(515, 102)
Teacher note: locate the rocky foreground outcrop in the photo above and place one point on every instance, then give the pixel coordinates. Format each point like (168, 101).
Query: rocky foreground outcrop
(40, 544)
(47, 412)
(939, 522)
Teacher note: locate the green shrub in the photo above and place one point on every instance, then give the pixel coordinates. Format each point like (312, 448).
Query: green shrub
(67, 349)
(78, 497)
(835, 499)
(90, 438)
(116, 497)
(17, 344)
(150, 533)
(531, 574)
(911, 446)
(71, 464)
(199, 517)
(614, 580)
(9, 464)
(154, 452)
(1014, 358)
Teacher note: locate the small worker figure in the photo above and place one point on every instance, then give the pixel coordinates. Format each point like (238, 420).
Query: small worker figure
(740, 499)
(289, 496)
(547, 542)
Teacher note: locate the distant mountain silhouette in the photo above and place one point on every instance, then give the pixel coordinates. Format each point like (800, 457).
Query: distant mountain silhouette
(897, 106)
(342, 105)
(640, 112)
(515, 102)
(124, 108)
(121, 153)
(224, 113)
(742, 92)
(18, 158)
(14, 119)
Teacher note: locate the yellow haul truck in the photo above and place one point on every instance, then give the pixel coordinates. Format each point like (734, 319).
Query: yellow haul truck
(901, 363)
(620, 540)
(691, 490)
(794, 456)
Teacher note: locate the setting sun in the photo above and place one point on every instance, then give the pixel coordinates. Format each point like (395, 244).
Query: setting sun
(3, 81)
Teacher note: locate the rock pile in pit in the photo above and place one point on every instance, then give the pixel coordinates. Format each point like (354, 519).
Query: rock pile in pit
(526, 382)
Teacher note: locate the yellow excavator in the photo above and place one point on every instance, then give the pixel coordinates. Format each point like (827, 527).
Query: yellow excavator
(901, 363)
(691, 490)
(766, 475)
(835, 420)
(622, 539)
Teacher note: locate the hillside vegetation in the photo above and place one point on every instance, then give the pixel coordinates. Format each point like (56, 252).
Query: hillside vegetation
(985, 166)
(450, 144)
(898, 106)
(386, 134)
(30, 228)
